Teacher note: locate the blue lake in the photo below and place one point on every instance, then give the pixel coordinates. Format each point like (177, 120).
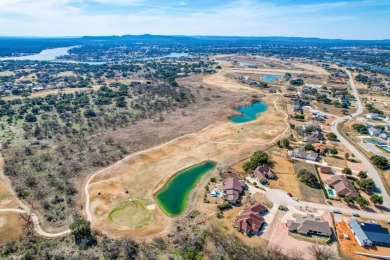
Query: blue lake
(249, 113)
(271, 78)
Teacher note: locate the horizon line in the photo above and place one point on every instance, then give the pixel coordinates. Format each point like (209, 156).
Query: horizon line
(183, 35)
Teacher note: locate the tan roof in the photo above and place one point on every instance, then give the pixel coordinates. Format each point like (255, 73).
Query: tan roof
(309, 224)
(342, 186)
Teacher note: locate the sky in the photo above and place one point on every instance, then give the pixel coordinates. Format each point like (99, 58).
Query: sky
(348, 19)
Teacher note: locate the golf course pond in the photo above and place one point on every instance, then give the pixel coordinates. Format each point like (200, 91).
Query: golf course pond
(173, 197)
(249, 113)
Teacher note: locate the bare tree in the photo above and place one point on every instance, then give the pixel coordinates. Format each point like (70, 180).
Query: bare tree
(321, 252)
(28, 223)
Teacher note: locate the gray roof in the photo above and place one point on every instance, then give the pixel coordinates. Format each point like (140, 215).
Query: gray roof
(309, 224)
(358, 231)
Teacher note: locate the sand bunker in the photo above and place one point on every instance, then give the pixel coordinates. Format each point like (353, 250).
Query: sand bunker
(151, 207)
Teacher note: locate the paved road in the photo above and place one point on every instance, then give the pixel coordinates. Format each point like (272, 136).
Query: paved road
(280, 197)
(370, 169)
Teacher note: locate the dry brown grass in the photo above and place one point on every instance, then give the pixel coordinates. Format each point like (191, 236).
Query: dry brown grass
(11, 227)
(287, 179)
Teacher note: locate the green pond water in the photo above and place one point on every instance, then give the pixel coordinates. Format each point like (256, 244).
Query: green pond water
(249, 113)
(173, 198)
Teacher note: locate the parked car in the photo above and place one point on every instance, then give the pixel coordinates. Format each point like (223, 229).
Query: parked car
(296, 199)
(356, 215)
(289, 194)
(336, 211)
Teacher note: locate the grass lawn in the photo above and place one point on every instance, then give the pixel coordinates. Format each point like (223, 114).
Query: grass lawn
(309, 194)
(131, 214)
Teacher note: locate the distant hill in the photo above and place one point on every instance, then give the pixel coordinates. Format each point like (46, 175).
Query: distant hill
(28, 45)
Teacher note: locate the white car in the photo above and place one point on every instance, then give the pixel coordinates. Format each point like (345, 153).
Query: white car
(295, 199)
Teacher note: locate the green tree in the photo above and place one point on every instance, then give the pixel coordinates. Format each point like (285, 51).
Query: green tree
(362, 201)
(362, 175)
(89, 113)
(380, 161)
(30, 118)
(309, 147)
(80, 228)
(286, 143)
(308, 178)
(331, 136)
(347, 171)
(259, 158)
(366, 184)
(360, 128)
(333, 151)
(376, 199)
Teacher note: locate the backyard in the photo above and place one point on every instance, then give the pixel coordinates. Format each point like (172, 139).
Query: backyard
(309, 194)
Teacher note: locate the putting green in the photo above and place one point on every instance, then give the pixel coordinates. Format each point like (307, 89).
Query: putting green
(131, 215)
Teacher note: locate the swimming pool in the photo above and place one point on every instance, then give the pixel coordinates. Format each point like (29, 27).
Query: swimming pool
(331, 193)
(382, 145)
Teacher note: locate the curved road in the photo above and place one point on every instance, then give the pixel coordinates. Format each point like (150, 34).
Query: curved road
(372, 172)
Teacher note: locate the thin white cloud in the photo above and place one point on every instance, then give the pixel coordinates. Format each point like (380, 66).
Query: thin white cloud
(242, 17)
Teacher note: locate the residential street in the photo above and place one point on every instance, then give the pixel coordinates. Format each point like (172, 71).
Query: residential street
(370, 169)
(280, 197)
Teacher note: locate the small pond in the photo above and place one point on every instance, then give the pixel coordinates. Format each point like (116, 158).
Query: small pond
(271, 78)
(247, 64)
(173, 198)
(249, 113)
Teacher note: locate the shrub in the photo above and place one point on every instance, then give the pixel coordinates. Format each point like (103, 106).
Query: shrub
(225, 205)
(347, 171)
